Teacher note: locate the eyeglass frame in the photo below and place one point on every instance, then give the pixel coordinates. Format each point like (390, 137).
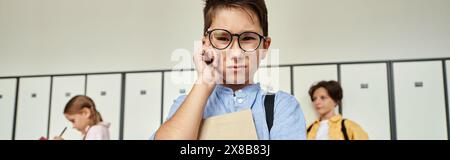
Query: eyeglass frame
(261, 39)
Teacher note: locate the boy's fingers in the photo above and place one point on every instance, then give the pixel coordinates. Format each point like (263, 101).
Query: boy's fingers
(216, 60)
(197, 56)
(208, 56)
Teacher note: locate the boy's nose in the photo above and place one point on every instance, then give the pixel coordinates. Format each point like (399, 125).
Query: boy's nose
(235, 51)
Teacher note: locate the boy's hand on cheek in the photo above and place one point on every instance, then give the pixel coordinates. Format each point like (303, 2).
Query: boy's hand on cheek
(207, 62)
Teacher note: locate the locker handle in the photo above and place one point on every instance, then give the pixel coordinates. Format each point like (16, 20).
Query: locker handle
(418, 84)
(33, 95)
(182, 91)
(1, 96)
(364, 85)
(68, 94)
(143, 92)
(103, 93)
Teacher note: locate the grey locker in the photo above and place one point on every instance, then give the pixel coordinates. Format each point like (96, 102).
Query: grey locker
(142, 105)
(33, 108)
(447, 68)
(64, 88)
(304, 78)
(176, 83)
(419, 100)
(7, 105)
(366, 99)
(105, 91)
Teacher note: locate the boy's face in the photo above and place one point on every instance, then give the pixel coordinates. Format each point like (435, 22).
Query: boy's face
(235, 65)
(322, 101)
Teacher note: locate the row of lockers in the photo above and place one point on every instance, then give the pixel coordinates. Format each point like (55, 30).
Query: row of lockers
(414, 107)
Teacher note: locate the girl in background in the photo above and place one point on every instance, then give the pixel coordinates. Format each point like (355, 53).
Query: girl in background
(81, 111)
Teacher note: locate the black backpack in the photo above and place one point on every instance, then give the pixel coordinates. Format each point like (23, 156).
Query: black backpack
(269, 101)
(343, 129)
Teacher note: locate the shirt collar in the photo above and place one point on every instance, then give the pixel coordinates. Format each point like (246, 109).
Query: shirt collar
(335, 118)
(105, 124)
(236, 101)
(249, 89)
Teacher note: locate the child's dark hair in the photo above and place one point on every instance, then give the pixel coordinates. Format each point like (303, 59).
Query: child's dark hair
(77, 103)
(257, 6)
(333, 88)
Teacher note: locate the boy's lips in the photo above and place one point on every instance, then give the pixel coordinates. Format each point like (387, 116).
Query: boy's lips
(237, 66)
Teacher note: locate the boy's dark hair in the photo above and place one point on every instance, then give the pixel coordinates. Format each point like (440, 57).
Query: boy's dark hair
(256, 6)
(333, 88)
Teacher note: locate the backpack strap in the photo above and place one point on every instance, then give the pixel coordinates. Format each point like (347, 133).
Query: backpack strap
(309, 128)
(344, 130)
(269, 102)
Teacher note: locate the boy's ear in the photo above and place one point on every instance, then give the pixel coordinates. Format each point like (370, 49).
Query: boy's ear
(267, 42)
(266, 45)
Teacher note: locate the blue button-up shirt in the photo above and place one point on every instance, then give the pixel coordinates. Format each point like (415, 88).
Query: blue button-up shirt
(288, 122)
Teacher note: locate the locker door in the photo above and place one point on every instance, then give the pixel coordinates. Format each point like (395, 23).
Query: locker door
(105, 91)
(274, 79)
(419, 100)
(33, 108)
(142, 105)
(64, 88)
(366, 99)
(304, 78)
(447, 68)
(7, 105)
(176, 83)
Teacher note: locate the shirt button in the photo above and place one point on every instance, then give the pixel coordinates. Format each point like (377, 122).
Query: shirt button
(240, 100)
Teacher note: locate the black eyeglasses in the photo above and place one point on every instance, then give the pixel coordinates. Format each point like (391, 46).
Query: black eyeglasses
(248, 41)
